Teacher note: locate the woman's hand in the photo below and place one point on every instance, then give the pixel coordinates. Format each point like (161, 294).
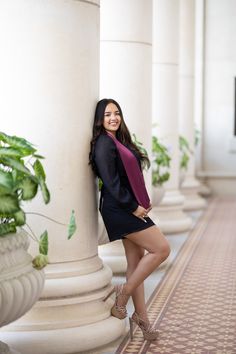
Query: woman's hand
(141, 212)
(149, 208)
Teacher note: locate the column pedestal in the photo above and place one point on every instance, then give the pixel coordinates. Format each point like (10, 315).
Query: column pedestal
(169, 215)
(71, 315)
(113, 255)
(5, 349)
(190, 189)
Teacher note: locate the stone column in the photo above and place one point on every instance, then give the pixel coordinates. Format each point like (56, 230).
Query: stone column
(165, 109)
(49, 87)
(199, 88)
(126, 65)
(190, 186)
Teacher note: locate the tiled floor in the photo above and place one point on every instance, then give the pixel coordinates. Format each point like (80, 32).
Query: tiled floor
(194, 307)
(176, 241)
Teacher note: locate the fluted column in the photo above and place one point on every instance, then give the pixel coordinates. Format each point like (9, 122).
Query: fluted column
(165, 109)
(126, 64)
(190, 186)
(49, 75)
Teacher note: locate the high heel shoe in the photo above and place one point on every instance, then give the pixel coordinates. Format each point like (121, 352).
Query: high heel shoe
(149, 332)
(117, 310)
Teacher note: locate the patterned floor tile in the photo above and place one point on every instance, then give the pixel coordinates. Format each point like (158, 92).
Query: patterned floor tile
(194, 307)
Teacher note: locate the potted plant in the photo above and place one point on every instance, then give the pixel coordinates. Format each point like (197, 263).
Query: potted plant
(160, 169)
(22, 176)
(185, 153)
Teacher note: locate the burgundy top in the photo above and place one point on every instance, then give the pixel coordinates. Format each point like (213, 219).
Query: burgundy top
(134, 173)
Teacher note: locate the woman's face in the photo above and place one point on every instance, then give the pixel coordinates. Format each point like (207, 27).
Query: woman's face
(112, 118)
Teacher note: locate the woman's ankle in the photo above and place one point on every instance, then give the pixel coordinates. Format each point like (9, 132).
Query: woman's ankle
(142, 315)
(126, 289)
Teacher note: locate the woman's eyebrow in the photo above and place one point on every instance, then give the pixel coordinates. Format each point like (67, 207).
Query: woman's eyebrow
(111, 112)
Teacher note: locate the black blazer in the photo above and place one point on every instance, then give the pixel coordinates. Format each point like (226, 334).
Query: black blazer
(112, 173)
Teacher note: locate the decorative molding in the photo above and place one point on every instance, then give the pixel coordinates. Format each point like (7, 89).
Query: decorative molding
(216, 174)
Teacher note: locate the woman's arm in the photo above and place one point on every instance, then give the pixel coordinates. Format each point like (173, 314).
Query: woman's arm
(105, 160)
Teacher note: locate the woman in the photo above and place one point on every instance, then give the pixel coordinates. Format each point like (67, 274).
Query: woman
(124, 206)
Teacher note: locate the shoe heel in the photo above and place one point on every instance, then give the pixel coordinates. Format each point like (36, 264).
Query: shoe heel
(131, 327)
(109, 294)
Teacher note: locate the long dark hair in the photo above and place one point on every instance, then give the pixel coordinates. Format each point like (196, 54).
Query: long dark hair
(122, 134)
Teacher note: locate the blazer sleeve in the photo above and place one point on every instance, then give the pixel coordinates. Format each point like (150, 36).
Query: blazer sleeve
(105, 159)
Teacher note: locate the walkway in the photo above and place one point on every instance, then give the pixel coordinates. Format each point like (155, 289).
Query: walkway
(194, 306)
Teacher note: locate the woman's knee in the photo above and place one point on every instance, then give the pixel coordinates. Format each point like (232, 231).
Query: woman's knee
(163, 251)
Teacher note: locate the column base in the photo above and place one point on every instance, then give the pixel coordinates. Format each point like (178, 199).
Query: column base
(5, 349)
(113, 255)
(70, 316)
(67, 340)
(193, 201)
(169, 215)
(204, 190)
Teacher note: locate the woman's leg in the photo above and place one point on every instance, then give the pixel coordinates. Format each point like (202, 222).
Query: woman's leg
(158, 249)
(134, 254)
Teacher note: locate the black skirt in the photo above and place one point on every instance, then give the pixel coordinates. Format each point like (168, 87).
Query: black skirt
(118, 221)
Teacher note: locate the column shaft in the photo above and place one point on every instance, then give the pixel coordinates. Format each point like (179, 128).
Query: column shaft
(50, 75)
(126, 64)
(190, 186)
(165, 109)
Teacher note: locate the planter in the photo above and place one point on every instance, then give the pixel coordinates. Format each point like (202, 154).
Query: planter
(4, 349)
(20, 284)
(182, 175)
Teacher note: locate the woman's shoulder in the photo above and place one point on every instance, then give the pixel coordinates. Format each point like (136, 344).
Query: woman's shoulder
(105, 141)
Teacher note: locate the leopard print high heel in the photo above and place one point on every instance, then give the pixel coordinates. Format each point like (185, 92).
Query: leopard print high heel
(117, 310)
(149, 332)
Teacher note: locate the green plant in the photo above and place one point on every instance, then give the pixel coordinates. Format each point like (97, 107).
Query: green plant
(197, 136)
(161, 163)
(146, 165)
(185, 152)
(21, 176)
(99, 184)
